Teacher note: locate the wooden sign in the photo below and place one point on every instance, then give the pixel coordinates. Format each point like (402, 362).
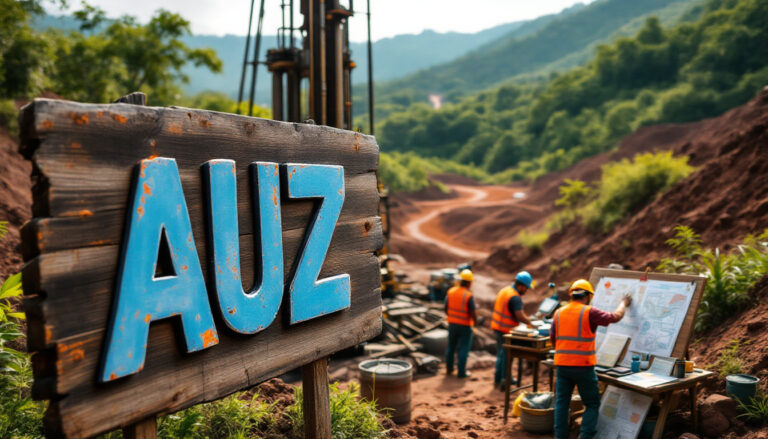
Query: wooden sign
(683, 336)
(177, 256)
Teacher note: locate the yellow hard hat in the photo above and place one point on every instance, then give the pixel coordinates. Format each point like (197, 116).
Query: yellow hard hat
(466, 275)
(581, 284)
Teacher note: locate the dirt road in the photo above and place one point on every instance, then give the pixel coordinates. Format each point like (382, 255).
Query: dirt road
(425, 225)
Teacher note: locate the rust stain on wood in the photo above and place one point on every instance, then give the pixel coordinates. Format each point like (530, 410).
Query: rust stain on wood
(47, 124)
(80, 119)
(205, 123)
(85, 212)
(356, 142)
(174, 128)
(76, 145)
(119, 118)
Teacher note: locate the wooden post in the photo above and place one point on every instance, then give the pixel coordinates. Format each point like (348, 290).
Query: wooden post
(317, 403)
(146, 429)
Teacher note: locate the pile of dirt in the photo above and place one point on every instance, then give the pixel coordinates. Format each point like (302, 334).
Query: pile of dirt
(15, 202)
(725, 199)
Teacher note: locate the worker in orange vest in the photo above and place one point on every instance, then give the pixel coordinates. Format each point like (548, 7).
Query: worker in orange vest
(573, 335)
(507, 314)
(461, 316)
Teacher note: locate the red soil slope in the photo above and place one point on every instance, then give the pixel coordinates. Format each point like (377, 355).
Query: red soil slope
(15, 203)
(723, 200)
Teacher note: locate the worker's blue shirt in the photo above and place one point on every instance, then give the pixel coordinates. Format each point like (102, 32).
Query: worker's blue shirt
(515, 304)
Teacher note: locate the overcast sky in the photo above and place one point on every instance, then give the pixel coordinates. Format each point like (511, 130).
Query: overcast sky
(389, 17)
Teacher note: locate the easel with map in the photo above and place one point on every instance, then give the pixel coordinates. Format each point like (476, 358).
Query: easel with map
(660, 322)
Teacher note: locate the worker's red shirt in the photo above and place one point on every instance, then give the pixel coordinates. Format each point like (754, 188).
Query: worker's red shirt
(596, 318)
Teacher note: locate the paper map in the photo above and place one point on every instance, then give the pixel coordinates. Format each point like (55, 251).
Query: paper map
(655, 317)
(647, 379)
(622, 413)
(610, 348)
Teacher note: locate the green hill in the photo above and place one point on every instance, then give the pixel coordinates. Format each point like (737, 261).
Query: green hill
(686, 72)
(558, 42)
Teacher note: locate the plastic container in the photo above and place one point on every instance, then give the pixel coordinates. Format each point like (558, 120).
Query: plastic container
(741, 386)
(388, 382)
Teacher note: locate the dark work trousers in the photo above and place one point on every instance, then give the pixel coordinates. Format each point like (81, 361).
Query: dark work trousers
(585, 378)
(459, 339)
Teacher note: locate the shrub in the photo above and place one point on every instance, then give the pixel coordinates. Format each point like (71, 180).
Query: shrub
(729, 276)
(8, 116)
(627, 185)
(532, 240)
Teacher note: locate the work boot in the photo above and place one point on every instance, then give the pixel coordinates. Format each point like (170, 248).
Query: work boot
(449, 371)
(465, 375)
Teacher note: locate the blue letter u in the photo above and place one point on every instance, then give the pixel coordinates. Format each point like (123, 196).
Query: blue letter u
(245, 312)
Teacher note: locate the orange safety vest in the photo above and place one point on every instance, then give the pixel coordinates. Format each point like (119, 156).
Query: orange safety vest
(458, 302)
(502, 320)
(574, 339)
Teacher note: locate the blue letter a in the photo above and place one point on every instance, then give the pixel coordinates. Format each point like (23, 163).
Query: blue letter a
(157, 219)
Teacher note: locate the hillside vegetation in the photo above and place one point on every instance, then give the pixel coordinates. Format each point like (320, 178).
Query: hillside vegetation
(682, 73)
(552, 43)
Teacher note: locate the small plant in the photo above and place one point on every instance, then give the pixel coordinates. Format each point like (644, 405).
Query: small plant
(20, 416)
(756, 410)
(532, 240)
(351, 417)
(3, 228)
(729, 362)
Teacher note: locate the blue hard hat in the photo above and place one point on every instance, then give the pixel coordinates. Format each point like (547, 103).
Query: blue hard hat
(524, 278)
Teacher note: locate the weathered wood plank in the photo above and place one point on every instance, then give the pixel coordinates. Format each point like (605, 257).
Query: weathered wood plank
(91, 288)
(84, 158)
(43, 235)
(173, 382)
(77, 357)
(119, 135)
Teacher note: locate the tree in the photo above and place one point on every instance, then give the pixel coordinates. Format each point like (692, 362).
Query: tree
(126, 57)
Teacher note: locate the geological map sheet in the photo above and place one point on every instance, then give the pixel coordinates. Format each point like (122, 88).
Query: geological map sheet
(655, 317)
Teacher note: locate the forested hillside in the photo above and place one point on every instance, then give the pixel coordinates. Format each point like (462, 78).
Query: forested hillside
(556, 43)
(662, 74)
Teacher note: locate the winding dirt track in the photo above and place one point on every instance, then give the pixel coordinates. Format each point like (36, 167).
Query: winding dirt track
(425, 226)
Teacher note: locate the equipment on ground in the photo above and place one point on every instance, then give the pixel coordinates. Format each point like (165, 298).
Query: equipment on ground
(440, 281)
(549, 305)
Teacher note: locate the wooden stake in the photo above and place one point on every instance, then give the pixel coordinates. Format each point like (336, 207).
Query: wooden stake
(146, 429)
(317, 403)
